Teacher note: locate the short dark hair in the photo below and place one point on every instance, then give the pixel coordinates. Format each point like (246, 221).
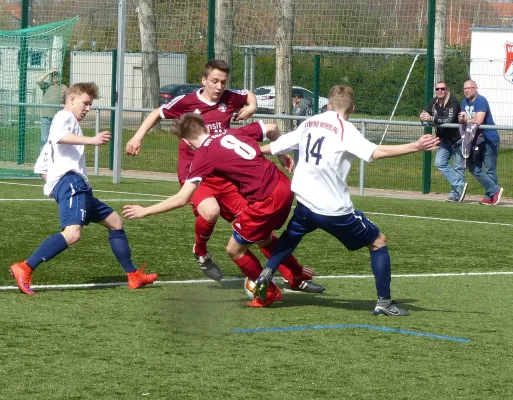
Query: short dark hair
(188, 125)
(220, 65)
(300, 95)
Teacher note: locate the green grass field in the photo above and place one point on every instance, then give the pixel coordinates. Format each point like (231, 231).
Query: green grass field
(196, 340)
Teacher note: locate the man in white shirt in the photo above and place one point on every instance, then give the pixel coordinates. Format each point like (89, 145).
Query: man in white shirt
(62, 165)
(327, 145)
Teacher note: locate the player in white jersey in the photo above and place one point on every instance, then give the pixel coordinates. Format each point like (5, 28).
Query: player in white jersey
(328, 144)
(62, 165)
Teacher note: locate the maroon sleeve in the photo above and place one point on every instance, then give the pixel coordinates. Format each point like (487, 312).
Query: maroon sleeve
(238, 98)
(174, 109)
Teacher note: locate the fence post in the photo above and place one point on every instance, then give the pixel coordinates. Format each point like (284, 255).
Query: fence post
(426, 155)
(97, 148)
(211, 29)
(316, 83)
(362, 164)
(113, 94)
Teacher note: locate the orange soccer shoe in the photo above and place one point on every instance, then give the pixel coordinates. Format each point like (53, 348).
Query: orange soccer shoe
(273, 295)
(139, 279)
(22, 273)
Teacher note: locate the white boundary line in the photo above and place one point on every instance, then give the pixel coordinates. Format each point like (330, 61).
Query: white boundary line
(105, 200)
(95, 190)
(193, 281)
(438, 219)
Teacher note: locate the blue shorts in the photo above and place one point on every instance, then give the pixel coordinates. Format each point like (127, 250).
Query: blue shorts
(77, 205)
(353, 230)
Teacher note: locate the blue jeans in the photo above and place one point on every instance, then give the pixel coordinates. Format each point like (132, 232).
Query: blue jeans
(487, 177)
(454, 174)
(46, 122)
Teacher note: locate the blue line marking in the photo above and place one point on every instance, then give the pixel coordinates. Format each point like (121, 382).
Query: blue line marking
(342, 326)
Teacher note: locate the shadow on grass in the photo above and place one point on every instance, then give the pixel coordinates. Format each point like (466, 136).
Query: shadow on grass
(301, 300)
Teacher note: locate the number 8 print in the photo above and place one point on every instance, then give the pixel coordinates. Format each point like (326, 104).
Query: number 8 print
(242, 149)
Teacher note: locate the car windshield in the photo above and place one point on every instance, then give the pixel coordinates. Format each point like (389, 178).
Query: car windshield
(261, 91)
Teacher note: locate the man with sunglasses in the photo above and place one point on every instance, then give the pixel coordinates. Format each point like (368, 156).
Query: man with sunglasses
(444, 109)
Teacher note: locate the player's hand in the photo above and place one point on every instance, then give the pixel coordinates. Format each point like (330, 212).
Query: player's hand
(244, 113)
(101, 138)
(133, 146)
(424, 116)
(134, 212)
(428, 143)
(287, 162)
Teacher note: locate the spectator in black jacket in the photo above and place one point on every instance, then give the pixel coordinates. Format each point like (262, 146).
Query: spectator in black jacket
(444, 108)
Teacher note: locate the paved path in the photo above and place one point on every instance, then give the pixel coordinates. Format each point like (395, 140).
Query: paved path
(161, 176)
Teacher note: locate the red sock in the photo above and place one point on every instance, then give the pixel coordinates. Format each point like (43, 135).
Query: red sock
(249, 265)
(204, 230)
(290, 267)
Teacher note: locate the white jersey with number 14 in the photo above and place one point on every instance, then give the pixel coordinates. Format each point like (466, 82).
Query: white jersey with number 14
(327, 147)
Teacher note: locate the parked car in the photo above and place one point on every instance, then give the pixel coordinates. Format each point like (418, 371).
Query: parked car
(169, 92)
(266, 94)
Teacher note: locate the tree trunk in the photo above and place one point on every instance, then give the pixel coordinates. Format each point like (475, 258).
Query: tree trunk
(440, 18)
(150, 62)
(224, 30)
(284, 37)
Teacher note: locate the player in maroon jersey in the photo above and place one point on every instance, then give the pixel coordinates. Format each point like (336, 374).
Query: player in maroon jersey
(216, 196)
(235, 156)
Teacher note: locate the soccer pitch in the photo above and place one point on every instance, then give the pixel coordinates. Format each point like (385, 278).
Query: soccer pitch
(84, 336)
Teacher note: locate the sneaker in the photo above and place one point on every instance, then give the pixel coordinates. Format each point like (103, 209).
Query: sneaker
(305, 287)
(139, 279)
(208, 266)
(389, 308)
(463, 192)
(273, 295)
(486, 202)
(497, 196)
(23, 274)
(452, 199)
(263, 283)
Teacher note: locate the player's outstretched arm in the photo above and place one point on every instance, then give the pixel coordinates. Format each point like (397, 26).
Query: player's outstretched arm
(178, 200)
(425, 143)
(134, 145)
(98, 140)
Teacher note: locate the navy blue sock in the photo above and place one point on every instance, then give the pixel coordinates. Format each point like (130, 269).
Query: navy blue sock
(121, 249)
(52, 246)
(382, 270)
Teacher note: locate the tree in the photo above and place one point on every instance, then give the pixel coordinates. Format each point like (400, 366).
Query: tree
(440, 18)
(224, 30)
(284, 37)
(150, 60)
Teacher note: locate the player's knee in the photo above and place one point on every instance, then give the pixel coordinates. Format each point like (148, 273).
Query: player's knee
(381, 241)
(235, 250)
(113, 222)
(209, 209)
(116, 223)
(72, 234)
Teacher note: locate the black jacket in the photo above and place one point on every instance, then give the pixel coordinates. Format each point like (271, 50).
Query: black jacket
(445, 114)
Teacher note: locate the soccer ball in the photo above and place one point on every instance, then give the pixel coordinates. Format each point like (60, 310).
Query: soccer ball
(249, 288)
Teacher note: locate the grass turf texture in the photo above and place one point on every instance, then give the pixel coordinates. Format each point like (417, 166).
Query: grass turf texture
(177, 341)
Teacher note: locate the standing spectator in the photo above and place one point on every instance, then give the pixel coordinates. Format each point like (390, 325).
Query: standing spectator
(475, 108)
(444, 109)
(53, 93)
